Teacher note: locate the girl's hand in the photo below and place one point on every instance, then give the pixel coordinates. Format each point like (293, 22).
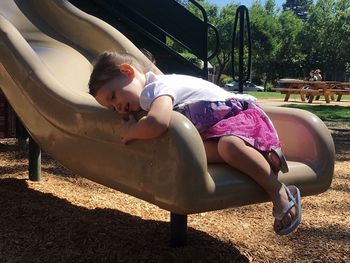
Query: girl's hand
(154, 124)
(125, 129)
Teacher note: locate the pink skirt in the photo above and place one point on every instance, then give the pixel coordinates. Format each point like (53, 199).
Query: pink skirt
(237, 118)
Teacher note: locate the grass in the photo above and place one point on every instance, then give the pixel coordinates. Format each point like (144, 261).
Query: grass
(332, 113)
(266, 95)
(277, 95)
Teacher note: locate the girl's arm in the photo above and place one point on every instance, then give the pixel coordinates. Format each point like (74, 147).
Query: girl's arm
(154, 124)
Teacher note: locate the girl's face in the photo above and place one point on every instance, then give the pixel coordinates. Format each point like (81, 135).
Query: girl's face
(121, 94)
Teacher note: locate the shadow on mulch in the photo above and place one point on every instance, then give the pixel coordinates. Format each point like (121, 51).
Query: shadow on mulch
(14, 169)
(313, 239)
(48, 165)
(55, 168)
(342, 144)
(341, 188)
(39, 227)
(328, 233)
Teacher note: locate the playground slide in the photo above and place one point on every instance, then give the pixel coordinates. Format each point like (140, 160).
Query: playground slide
(46, 50)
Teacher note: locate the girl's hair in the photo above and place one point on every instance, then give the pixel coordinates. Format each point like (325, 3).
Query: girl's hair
(148, 55)
(106, 67)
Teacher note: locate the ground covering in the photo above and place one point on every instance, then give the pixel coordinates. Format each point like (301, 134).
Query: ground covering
(66, 218)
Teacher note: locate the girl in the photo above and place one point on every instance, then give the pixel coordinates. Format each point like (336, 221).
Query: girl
(233, 128)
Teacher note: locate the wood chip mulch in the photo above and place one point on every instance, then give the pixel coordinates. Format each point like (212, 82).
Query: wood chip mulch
(66, 218)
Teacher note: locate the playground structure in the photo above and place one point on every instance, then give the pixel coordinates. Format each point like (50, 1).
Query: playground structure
(46, 50)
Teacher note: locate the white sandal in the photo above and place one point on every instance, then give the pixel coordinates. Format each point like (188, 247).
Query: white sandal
(295, 201)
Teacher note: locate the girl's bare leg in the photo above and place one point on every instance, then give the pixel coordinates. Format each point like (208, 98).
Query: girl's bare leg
(239, 155)
(211, 150)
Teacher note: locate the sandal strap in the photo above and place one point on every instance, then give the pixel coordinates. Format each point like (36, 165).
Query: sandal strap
(283, 162)
(284, 211)
(287, 208)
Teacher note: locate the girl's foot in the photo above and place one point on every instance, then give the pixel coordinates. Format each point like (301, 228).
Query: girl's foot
(287, 210)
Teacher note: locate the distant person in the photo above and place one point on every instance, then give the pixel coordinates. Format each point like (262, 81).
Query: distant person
(312, 76)
(318, 75)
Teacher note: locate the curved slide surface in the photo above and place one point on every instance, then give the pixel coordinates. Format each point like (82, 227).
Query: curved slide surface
(46, 49)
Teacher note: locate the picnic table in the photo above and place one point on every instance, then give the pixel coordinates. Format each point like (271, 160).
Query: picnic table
(312, 89)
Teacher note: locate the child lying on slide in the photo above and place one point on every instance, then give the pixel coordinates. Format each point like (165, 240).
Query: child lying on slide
(233, 127)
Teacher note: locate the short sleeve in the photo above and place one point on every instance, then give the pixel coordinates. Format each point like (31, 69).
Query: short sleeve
(152, 91)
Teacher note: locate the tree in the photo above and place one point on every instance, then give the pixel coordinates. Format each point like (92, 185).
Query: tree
(299, 7)
(265, 41)
(212, 11)
(224, 23)
(326, 38)
(286, 44)
(290, 58)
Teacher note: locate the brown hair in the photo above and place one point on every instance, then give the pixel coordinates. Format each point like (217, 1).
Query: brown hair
(106, 67)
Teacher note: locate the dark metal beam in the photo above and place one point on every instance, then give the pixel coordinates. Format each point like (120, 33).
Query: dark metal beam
(178, 230)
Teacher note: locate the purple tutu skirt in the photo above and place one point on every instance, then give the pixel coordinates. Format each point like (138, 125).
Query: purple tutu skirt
(232, 117)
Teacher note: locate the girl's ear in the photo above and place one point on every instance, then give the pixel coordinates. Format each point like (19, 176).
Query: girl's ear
(127, 70)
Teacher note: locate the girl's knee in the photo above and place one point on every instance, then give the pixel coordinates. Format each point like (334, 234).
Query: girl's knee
(230, 146)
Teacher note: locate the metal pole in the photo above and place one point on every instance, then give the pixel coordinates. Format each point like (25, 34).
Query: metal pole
(242, 13)
(178, 230)
(34, 160)
(21, 135)
(241, 51)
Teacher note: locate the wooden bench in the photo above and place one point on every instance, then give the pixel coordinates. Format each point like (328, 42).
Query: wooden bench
(313, 89)
(338, 92)
(288, 92)
(310, 93)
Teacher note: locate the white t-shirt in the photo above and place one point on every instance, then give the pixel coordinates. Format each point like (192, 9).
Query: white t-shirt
(184, 89)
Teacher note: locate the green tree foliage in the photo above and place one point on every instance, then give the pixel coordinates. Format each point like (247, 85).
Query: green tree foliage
(212, 16)
(224, 25)
(265, 42)
(290, 59)
(326, 38)
(284, 43)
(299, 7)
